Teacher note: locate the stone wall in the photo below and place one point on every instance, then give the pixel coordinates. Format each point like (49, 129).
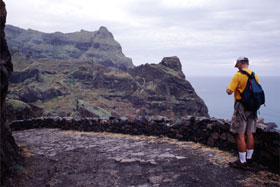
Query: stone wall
(209, 131)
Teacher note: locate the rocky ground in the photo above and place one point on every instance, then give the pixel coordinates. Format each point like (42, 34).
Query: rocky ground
(71, 158)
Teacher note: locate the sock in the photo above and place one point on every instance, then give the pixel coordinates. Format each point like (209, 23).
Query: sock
(242, 157)
(250, 153)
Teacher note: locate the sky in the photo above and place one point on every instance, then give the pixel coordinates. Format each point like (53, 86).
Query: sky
(207, 35)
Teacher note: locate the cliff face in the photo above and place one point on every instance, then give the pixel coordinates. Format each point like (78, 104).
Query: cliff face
(99, 46)
(163, 89)
(8, 149)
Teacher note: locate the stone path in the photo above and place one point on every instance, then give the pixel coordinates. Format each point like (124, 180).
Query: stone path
(72, 158)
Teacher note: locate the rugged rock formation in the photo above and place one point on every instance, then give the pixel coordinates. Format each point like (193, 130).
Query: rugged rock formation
(87, 89)
(33, 94)
(174, 64)
(163, 89)
(98, 46)
(9, 151)
(85, 74)
(20, 77)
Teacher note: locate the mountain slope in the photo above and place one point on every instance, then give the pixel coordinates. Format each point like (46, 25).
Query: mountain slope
(99, 46)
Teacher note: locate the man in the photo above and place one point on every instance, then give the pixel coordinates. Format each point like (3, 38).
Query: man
(243, 122)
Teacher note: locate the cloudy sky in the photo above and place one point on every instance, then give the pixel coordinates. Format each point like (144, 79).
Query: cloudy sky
(207, 35)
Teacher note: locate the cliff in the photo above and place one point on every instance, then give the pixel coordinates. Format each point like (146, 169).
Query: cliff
(9, 151)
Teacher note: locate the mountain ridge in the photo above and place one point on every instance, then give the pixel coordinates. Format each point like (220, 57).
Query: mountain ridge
(99, 46)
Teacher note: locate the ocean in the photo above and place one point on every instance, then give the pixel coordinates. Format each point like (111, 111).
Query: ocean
(220, 105)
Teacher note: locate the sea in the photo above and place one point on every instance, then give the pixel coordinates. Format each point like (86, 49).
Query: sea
(220, 105)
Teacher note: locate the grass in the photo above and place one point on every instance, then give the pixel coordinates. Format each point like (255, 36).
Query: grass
(101, 112)
(118, 74)
(168, 70)
(17, 105)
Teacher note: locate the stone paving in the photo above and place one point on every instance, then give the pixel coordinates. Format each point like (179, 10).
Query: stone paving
(71, 158)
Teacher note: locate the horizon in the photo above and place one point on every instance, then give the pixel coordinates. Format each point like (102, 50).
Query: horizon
(207, 36)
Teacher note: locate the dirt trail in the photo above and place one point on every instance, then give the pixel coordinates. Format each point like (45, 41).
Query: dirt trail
(71, 158)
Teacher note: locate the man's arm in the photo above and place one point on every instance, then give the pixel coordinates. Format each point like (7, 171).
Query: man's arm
(229, 92)
(233, 84)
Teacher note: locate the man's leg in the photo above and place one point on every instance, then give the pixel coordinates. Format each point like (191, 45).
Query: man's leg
(251, 128)
(238, 126)
(250, 145)
(241, 146)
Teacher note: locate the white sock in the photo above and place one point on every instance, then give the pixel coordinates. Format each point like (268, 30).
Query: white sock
(242, 157)
(250, 153)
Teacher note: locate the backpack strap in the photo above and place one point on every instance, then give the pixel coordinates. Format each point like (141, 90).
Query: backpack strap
(245, 72)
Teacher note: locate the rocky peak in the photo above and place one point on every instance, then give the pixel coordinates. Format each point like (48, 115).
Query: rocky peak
(174, 64)
(104, 32)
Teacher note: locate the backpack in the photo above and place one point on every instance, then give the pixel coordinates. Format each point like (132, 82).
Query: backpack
(253, 95)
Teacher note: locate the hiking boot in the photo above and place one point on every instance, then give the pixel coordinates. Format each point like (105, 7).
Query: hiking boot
(250, 163)
(238, 164)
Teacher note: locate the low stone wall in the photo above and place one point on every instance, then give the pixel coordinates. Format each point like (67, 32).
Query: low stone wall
(209, 131)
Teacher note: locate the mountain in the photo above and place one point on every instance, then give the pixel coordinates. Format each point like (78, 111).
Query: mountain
(83, 87)
(99, 46)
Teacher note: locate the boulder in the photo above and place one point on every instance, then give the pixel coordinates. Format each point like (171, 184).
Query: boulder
(21, 76)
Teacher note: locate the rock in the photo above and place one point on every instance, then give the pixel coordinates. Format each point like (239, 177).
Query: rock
(168, 86)
(51, 93)
(167, 155)
(271, 125)
(174, 64)
(261, 126)
(9, 151)
(159, 118)
(128, 160)
(152, 161)
(180, 157)
(211, 142)
(29, 95)
(19, 77)
(230, 138)
(124, 119)
(209, 126)
(215, 135)
(155, 179)
(82, 75)
(260, 120)
(33, 94)
(223, 136)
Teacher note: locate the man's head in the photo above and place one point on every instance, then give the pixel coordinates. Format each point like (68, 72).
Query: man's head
(241, 61)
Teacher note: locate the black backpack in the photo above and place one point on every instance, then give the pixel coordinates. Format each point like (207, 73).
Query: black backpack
(253, 95)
